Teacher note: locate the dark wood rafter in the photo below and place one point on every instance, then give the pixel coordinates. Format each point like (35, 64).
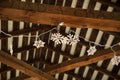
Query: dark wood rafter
(23, 67)
(109, 3)
(69, 73)
(96, 68)
(43, 62)
(81, 61)
(72, 57)
(21, 77)
(31, 47)
(52, 15)
(101, 70)
(67, 56)
(46, 28)
(77, 77)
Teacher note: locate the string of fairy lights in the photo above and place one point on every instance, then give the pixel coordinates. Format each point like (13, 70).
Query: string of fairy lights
(70, 39)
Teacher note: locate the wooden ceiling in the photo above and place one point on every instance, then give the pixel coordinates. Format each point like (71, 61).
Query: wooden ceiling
(95, 20)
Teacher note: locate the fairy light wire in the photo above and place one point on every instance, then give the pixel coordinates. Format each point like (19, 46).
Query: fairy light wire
(56, 28)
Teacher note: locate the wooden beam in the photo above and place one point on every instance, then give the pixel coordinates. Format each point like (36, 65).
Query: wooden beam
(109, 3)
(48, 64)
(81, 61)
(104, 71)
(52, 15)
(65, 55)
(76, 76)
(23, 67)
(101, 70)
(32, 78)
(21, 77)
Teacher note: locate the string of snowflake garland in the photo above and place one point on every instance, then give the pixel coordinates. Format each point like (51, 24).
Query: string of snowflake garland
(115, 60)
(68, 40)
(91, 50)
(38, 43)
(60, 39)
(57, 38)
(73, 39)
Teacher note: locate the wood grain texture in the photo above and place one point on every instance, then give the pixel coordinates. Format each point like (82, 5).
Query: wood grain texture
(23, 67)
(53, 15)
(81, 61)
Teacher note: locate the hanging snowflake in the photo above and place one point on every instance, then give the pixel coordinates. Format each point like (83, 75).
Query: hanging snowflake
(11, 49)
(115, 60)
(92, 50)
(65, 40)
(73, 39)
(57, 38)
(39, 43)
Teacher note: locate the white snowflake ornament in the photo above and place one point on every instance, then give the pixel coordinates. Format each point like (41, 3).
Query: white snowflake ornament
(73, 39)
(115, 60)
(39, 43)
(65, 40)
(57, 38)
(92, 50)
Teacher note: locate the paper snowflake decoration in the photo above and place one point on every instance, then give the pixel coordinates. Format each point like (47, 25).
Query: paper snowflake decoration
(115, 60)
(11, 49)
(57, 38)
(73, 39)
(91, 50)
(39, 43)
(65, 40)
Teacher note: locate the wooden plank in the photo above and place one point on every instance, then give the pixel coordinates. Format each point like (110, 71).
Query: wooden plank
(23, 67)
(69, 73)
(109, 3)
(104, 71)
(52, 15)
(21, 77)
(98, 68)
(32, 78)
(81, 61)
(43, 62)
(77, 77)
(65, 55)
(71, 57)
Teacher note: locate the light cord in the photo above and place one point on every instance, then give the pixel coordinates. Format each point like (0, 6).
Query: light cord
(40, 43)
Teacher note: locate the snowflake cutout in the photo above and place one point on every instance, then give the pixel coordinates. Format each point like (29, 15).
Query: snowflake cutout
(65, 40)
(73, 39)
(57, 38)
(39, 43)
(92, 50)
(115, 60)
